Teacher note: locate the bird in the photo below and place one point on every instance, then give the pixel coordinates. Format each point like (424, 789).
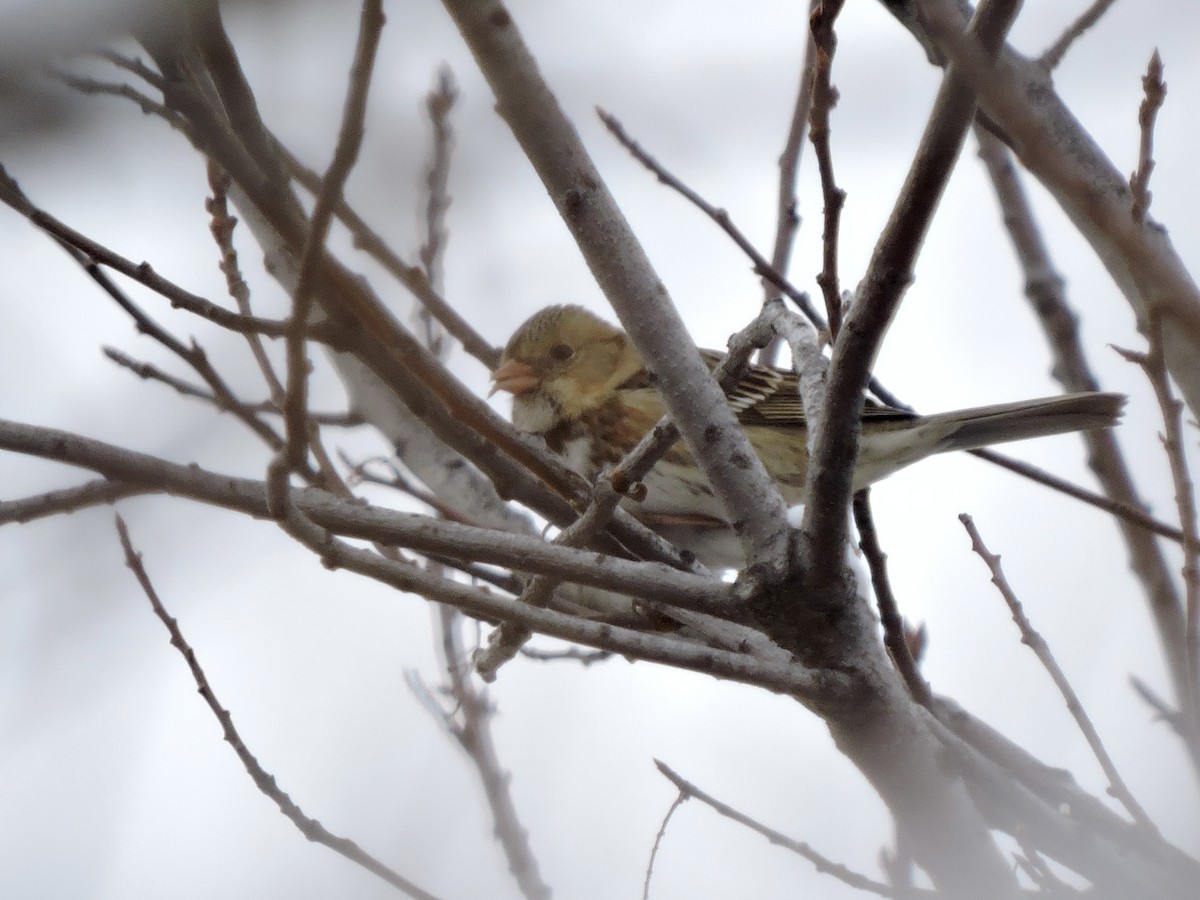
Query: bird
(580, 384)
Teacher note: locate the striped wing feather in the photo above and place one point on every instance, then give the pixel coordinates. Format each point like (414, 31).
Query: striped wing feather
(771, 397)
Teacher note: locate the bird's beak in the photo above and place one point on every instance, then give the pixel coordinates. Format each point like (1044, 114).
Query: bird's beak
(513, 376)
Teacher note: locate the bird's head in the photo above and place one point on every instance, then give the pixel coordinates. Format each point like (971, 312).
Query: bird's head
(561, 363)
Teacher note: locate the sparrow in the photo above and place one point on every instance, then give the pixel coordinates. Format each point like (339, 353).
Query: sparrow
(581, 385)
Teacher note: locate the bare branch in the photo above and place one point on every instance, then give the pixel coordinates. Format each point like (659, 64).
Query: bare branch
(1153, 365)
(822, 863)
(761, 265)
(895, 636)
(824, 99)
(824, 527)
(412, 277)
(263, 780)
(437, 177)
(470, 724)
(1156, 92)
(68, 500)
(1044, 287)
(662, 831)
(1036, 643)
(342, 516)
(1054, 55)
(221, 226)
(94, 253)
(584, 657)
(344, 156)
(1019, 98)
(93, 87)
(1136, 516)
(787, 204)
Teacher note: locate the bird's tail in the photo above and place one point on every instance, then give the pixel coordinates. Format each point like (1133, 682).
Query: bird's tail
(972, 428)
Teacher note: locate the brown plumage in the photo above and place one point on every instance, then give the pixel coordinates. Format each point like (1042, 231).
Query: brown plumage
(580, 383)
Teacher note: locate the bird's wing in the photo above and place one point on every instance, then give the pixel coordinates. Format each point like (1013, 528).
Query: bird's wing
(771, 397)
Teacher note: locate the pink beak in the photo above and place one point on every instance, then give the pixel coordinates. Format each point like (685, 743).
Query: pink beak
(515, 377)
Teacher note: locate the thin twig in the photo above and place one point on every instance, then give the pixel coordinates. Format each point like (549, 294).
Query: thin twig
(506, 641)
(194, 355)
(823, 530)
(437, 181)
(68, 500)
(1053, 56)
(263, 780)
(761, 265)
(93, 87)
(1031, 638)
(91, 253)
(345, 154)
(1046, 291)
(412, 277)
(1154, 365)
(895, 637)
(221, 226)
(1173, 717)
(397, 481)
(572, 654)
(821, 863)
(150, 372)
(787, 203)
(1116, 508)
(469, 723)
(1155, 91)
(825, 97)
(679, 800)
(134, 66)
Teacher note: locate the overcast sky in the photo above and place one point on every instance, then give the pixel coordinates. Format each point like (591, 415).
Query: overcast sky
(114, 778)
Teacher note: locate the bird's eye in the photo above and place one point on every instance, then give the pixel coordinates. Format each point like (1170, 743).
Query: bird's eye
(562, 352)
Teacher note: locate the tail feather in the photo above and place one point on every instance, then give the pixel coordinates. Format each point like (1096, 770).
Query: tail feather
(972, 428)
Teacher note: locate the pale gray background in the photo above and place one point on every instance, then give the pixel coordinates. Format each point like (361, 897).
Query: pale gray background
(114, 782)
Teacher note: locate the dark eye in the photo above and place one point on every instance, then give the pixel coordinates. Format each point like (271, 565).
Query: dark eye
(562, 352)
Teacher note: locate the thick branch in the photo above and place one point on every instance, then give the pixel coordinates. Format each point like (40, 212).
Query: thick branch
(623, 272)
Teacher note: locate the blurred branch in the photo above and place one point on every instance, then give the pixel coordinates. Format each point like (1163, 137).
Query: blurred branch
(151, 372)
(1044, 287)
(1017, 792)
(895, 637)
(91, 254)
(662, 831)
(762, 267)
(437, 181)
(324, 514)
(823, 531)
(1155, 93)
(787, 215)
(1123, 512)
(469, 723)
(93, 87)
(221, 226)
(350, 136)
(825, 97)
(1031, 638)
(1054, 55)
(1018, 97)
(1185, 499)
(584, 657)
(822, 863)
(68, 500)
(263, 780)
(412, 277)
